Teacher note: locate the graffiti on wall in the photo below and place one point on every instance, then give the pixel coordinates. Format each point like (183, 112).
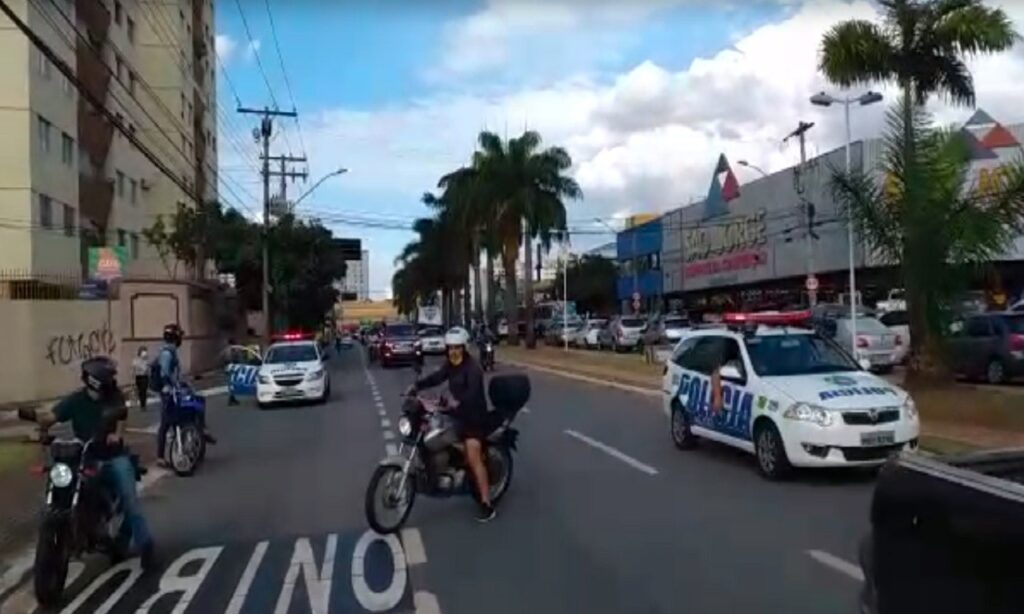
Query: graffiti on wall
(65, 349)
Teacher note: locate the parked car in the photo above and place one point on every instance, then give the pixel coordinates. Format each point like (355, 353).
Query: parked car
(895, 301)
(623, 333)
(897, 322)
(989, 346)
(400, 345)
(946, 535)
(589, 337)
(554, 335)
(670, 328)
(875, 343)
(432, 340)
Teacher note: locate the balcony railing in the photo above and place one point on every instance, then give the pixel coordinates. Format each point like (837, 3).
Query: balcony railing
(95, 199)
(95, 133)
(91, 71)
(96, 18)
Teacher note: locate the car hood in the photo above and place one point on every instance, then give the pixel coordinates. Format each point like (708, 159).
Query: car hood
(846, 390)
(289, 368)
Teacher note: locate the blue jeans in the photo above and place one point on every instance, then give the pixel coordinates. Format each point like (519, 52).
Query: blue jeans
(166, 406)
(119, 475)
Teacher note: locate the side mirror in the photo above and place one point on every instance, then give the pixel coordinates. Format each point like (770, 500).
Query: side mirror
(731, 373)
(865, 364)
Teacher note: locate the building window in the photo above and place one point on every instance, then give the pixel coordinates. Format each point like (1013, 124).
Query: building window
(181, 16)
(120, 184)
(131, 30)
(122, 237)
(118, 13)
(69, 221)
(45, 211)
(135, 246)
(67, 86)
(44, 134)
(134, 191)
(67, 149)
(190, 111)
(182, 96)
(43, 65)
(120, 68)
(131, 83)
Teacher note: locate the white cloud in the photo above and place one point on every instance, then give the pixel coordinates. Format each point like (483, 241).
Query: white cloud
(645, 141)
(225, 47)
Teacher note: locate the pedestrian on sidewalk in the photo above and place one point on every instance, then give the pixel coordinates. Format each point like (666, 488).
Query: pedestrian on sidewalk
(233, 356)
(140, 367)
(650, 343)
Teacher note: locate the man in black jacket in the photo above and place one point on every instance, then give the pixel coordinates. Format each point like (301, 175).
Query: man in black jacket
(466, 385)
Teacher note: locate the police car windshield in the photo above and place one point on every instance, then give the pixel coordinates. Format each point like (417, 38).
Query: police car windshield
(291, 353)
(782, 355)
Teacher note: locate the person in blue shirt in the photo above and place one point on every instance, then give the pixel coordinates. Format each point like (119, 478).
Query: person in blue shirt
(170, 373)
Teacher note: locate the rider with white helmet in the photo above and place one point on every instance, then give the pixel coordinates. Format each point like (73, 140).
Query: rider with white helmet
(466, 386)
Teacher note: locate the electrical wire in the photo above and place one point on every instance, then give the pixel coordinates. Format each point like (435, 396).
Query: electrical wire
(284, 73)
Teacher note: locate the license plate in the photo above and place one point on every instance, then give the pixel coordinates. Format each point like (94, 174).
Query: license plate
(878, 438)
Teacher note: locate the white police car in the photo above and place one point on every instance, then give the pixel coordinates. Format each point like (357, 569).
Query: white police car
(787, 395)
(292, 371)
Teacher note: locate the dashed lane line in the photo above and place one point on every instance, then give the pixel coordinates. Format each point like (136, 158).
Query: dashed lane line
(835, 563)
(613, 452)
(385, 423)
(388, 435)
(391, 449)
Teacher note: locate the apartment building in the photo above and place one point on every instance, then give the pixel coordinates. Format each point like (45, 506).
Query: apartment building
(68, 178)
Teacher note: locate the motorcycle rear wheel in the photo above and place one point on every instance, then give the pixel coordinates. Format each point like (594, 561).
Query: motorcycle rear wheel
(499, 472)
(378, 497)
(50, 568)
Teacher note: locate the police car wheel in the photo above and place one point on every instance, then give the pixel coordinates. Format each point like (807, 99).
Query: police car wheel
(682, 436)
(771, 453)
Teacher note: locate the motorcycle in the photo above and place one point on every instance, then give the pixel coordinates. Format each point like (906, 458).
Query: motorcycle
(487, 356)
(185, 444)
(431, 460)
(80, 515)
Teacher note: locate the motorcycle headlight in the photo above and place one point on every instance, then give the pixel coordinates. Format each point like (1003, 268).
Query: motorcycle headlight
(809, 413)
(61, 475)
(910, 408)
(404, 426)
(315, 375)
(264, 379)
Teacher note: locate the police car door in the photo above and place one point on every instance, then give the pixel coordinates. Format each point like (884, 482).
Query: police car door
(729, 423)
(242, 365)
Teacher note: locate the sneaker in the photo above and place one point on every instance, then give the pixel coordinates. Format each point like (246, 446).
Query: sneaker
(485, 513)
(210, 439)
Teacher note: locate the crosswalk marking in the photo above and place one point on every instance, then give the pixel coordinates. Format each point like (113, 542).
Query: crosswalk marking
(245, 583)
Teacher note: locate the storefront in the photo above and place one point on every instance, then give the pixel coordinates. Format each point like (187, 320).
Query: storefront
(640, 272)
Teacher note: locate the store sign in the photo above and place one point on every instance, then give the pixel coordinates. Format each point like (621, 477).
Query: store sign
(739, 261)
(721, 239)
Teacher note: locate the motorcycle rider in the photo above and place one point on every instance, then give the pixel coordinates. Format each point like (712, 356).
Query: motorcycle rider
(466, 384)
(84, 410)
(167, 372)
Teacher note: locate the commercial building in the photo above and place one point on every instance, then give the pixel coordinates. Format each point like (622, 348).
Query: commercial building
(69, 179)
(754, 245)
(356, 285)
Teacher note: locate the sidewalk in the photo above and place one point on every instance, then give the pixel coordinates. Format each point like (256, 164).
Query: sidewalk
(959, 417)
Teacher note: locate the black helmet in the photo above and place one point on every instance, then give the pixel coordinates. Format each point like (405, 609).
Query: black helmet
(99, 374)
(173, 334)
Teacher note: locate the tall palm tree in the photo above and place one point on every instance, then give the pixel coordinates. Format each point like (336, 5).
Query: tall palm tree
(526, 186)
(921, 45)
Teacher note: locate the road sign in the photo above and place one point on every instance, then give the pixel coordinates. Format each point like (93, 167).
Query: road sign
(811, 283)
(107, 263)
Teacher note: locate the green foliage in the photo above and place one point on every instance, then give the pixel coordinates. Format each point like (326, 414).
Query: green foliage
(591, 283)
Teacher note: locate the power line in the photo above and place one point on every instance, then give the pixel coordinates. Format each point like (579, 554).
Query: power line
(284, 73)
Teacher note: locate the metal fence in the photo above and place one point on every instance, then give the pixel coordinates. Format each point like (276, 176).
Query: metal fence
(16, 285)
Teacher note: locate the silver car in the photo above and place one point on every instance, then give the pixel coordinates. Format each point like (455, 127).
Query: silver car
(624, 333)
(672, 327)
(875, 342)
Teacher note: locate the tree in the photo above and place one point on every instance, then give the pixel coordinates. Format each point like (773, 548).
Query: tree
(525, 188)
(949, 230)
(187, 238)
(591, 283)
(922, 47)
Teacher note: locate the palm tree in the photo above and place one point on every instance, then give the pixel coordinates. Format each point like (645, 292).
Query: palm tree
(526, 187)
(463, 199)
(921, 46)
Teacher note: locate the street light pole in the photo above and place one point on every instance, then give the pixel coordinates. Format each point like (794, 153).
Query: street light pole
(753, 167)
(825, 100)
(340, 171)
(565, 291)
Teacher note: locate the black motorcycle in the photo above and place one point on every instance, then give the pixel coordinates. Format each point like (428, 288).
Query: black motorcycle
(431, 459)
(80, 515)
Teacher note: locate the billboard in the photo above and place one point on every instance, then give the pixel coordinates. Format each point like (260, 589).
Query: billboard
(351, 249)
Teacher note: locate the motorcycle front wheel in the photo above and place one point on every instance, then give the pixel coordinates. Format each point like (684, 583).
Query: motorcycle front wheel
(387, 509)
(50, 568)
(185, 449)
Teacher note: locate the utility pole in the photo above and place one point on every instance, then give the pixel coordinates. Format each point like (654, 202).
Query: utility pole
(285, 174)
(263, 134)
(811, 283)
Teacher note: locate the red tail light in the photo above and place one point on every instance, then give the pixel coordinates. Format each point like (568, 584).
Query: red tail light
(862, 342)
(1017, 343)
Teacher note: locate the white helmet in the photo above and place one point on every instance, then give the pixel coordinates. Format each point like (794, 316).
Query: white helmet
(456, 336)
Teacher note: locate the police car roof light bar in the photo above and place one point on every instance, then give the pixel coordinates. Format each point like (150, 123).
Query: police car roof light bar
(769, 318)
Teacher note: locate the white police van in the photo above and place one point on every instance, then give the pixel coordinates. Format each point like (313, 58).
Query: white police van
(785, 394)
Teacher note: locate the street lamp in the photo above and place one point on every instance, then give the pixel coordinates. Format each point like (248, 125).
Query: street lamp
(340, 171)
(822, 99)
(753, 167)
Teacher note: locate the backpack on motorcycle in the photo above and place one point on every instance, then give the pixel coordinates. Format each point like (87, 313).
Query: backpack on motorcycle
(508, 393)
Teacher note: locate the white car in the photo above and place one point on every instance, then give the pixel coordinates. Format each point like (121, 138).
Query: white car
(590, 336)
(788, 395)
(432, 340)
(292, 371)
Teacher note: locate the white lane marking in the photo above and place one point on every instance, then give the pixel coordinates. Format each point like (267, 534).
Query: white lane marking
(212, 392)
(415, 554)
(134, 569)
(380, 405)
(525, 410)
(21, 564)
(318, 582)
(184, 587)
(388, 435)
(425, 603)
(385, 423)
(390, 449)
(388, 598)
(382, 413)
(610, 451)
(245, 583)
(149, 430)
(23, 599)
(832, 561)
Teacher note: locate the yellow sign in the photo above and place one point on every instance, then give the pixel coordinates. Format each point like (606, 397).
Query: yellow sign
(717, 239)
(991, 182)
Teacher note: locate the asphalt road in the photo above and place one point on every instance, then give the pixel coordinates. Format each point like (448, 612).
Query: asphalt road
(604, 515)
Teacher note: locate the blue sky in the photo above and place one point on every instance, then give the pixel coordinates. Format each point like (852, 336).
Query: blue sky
(644, 94)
